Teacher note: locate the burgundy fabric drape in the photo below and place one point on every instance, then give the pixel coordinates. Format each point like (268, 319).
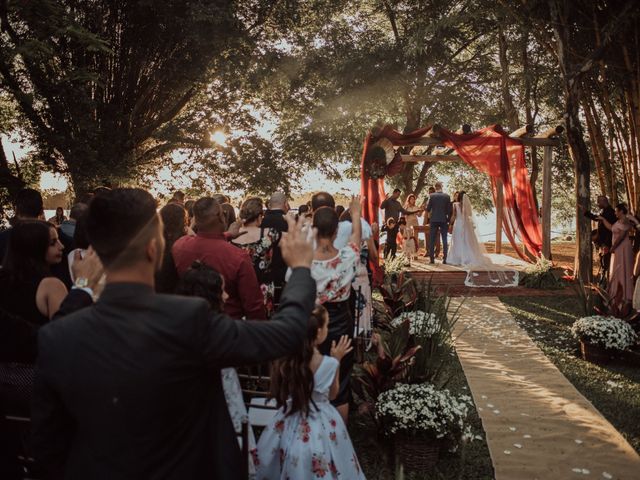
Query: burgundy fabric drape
(493, 152)
(372, 190)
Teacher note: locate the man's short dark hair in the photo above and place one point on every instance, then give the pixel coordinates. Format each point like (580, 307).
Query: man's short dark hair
(396, 190)
(29, 203)
(325, 219)
(120, 222)
(322, 199)
(77, 210)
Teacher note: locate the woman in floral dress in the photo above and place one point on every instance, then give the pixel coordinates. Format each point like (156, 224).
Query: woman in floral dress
(307, 438)
(260, 244)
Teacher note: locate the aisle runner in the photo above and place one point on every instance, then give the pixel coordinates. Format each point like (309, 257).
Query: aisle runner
(538, 425)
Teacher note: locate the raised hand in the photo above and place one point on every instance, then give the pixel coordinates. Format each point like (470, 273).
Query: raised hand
(89, 267)
(339, 350)
(297, 244)
(355, 204)
(234, 230)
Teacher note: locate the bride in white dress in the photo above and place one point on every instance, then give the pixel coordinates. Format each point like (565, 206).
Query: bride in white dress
(468, 252)
(466, 249)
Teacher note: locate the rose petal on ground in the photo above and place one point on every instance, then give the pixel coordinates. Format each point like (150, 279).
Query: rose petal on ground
(507, 452)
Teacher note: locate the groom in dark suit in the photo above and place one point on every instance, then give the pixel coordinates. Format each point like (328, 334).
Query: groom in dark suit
(439, 207)
(130, 387)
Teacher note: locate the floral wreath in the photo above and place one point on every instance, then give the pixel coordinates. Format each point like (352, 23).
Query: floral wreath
(378, 157)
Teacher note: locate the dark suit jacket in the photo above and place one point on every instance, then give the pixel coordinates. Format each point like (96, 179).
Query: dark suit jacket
(604, 234)
(130, 387)
(439, 207)
(275, 219)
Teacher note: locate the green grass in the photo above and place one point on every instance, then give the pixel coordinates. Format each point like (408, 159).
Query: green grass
(470, 462)
(613, 389)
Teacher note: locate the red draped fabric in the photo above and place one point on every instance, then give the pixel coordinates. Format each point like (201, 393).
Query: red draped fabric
(490, 151)
(493, 152)
(372, 190)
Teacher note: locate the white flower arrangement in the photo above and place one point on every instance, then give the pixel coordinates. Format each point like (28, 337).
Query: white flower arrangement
(423, 410)
(542, 265)
(607, 332)
(420, 323)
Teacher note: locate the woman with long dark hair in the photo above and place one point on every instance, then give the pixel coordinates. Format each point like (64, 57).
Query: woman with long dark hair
(27, 287)
(307, 438)
(175, 223)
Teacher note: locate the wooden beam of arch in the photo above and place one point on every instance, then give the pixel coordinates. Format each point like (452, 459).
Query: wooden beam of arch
(430, 158)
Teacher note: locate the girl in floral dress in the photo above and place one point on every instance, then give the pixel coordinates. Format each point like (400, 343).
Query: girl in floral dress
(307, 438)
(259, 243)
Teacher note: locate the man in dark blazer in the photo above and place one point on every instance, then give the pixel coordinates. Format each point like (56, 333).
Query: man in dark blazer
(130, 387)
(439, 207)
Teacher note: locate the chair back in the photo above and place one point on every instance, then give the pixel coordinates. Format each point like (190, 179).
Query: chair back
(18, 428)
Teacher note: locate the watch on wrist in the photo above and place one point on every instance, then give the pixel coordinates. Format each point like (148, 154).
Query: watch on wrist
(81, 282)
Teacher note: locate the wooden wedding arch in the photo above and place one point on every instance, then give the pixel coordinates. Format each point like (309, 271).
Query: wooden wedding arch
(430, 148)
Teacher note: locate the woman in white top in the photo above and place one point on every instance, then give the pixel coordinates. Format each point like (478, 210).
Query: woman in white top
(334, 271)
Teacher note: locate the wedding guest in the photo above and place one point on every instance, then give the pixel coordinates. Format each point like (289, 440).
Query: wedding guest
(211, 247)
(391, 206)
(146, 399)
(334, 271)
(188, 206)
(603, 237)
(307, 434)
(68, 227)
(260, 243)
(178, 198)
(363, 304)
(620, 289)
(391, 246)
(274, 218)
(28, 205)
(412, 220)
(58, 218)
(340, 210)
(27, 287)
(203, 281)
(174, 221)
(303, 211)
(227, 208)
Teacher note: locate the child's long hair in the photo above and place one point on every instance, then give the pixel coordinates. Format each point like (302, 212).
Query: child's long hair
(292, 377)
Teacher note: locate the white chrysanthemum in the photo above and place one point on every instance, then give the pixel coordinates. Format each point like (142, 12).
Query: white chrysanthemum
(608, 332)
(420, 323)
(423, 410)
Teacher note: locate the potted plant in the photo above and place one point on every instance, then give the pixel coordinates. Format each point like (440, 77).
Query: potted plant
(421, 419)
(602, 337)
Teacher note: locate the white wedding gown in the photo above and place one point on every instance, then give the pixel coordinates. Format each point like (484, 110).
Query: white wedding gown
(469, 253)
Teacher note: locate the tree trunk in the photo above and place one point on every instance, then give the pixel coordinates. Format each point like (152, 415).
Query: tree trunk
(575, 138)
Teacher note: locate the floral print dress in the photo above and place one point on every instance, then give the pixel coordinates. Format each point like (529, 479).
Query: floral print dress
(300, 447)
(261, 253)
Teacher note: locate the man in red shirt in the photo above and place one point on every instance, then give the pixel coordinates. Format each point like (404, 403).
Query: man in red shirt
(234, 264)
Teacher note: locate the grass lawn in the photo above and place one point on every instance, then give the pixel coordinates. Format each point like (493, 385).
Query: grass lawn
(470, 462)
(613, 389)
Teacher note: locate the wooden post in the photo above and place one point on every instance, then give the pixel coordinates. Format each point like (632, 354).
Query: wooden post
(499, 214)
(546, 202)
